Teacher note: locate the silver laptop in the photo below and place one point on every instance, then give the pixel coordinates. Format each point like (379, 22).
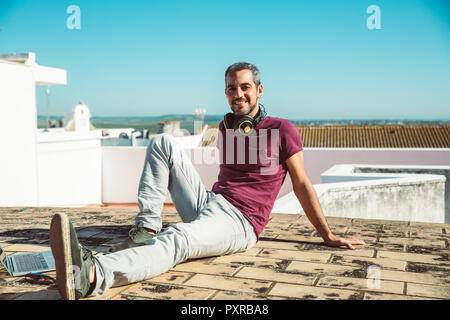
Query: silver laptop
(20, 264)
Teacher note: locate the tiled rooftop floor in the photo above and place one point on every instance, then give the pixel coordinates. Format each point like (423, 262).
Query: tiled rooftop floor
(289, 261)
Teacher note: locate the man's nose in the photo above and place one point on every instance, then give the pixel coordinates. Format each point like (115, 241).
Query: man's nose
(238, 93)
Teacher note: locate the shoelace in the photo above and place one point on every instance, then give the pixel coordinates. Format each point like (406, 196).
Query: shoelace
(86, 252)
(135, 230)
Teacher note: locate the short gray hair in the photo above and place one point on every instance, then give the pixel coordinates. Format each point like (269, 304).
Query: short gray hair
(238, 66)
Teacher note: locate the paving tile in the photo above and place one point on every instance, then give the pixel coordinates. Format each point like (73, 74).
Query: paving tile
(206, 267)
(435, 227)
(338, 221)
(308, 231)
(443, 252)
(5, 245)
(277, 217)
(328, 269)
(233, 295)
(5, 277)
(387, 296)
(285, 245)
(229, 283)
(125, 297)
(312, 293)
(400, 233)
(305, 226)
(383, 263)
(413, 242)
(110, 294)
(431, 235)
(11, 293)
(250, 252)
(359, 234)
(425, 290)
(368, 238)
(383, 246)
(377, 222)
(250, 261)
(272, 275)
(428, 268)
(20, 247)
(413, 277)
(361, 284)
(269, 233)
(166, 292)
(299, 239)
(171, 277)
(40, 295)
(360, 251)
(361, 231)
(295, 255)
(413, 257)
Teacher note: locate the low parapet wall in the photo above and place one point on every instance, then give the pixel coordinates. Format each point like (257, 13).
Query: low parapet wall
(376, 194)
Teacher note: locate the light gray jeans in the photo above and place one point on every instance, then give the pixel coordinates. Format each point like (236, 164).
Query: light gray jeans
(211, 225)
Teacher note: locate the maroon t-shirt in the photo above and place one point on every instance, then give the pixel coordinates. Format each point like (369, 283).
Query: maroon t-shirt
(253, 169)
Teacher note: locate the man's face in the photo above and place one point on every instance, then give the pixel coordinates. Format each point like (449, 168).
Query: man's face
(242, 93)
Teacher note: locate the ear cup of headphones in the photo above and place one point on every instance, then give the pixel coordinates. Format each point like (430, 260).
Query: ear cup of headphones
(244, 124)
(228, 121)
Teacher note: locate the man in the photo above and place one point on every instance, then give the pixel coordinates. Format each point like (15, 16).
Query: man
(226, 220)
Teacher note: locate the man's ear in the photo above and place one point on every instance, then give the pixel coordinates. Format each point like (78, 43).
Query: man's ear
(260, 90)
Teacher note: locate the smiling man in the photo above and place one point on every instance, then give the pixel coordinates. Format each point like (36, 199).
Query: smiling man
(257, 151)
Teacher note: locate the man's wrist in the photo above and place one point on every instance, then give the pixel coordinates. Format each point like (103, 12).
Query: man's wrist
(328, 237)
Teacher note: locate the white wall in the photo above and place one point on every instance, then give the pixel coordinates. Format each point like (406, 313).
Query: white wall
(18, 173)
(122, 166)
(121, 171)
(406, 193)
(69, 168)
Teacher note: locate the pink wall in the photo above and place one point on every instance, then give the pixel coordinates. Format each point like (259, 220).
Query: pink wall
(319, 160)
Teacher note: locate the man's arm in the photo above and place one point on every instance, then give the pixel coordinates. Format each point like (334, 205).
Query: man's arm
(309, 201)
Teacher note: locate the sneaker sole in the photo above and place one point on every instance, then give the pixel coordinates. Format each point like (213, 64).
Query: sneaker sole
(60, 245)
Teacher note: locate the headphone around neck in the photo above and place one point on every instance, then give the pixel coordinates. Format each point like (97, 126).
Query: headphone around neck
(244, 124)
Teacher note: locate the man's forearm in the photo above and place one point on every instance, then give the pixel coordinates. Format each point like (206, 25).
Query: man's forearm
(307, 196)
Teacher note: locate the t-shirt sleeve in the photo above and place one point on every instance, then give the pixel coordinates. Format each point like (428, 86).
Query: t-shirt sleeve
(291, 140)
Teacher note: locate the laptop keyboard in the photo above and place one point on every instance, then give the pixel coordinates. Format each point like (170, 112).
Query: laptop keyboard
(30, 262)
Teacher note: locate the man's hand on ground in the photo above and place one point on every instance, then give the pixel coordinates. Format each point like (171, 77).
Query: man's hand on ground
(335, 241)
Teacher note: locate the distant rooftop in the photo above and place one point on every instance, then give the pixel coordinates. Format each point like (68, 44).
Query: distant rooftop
(366, 136)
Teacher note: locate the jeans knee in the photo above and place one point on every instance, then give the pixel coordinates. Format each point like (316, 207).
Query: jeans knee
(160, 142)
(161, 139)
(180, 240)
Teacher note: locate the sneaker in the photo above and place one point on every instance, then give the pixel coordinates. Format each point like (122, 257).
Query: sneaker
(137, 237)
(73, 260)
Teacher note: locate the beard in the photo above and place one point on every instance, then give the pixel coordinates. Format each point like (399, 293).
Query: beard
(249, 110)
(252, 108)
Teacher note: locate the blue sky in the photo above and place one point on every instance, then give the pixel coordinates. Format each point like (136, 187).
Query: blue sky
(318, 59)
